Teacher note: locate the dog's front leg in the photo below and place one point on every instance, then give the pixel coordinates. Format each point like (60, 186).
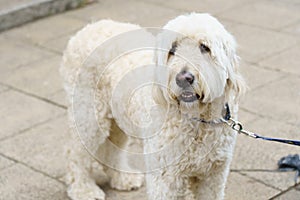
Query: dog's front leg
(213, 186)
(167, 186)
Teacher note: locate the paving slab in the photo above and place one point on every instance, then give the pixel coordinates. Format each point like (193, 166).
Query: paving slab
(256, 76)
(4, 163)
(268, 14)
(255, 154)
(241, 187)
(279, 180)
(3, 88)
(14, 54)
(133, 11)
(22, 183)
(42, 30)
(40, 78)
(57, 44)
(293, 29)
(256, 43)
(207, 6)
(42, 147)
(246, 117)
(293, 194)
(287, 61)
(19, 112)
(278, 100)
(59, 97)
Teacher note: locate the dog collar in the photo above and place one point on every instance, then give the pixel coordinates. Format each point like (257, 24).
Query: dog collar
(237, 126)
(226, 116)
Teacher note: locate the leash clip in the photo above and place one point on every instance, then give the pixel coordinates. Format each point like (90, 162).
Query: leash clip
(237, 126)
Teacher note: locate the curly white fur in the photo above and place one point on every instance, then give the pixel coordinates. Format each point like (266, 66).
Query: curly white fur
(193, 159)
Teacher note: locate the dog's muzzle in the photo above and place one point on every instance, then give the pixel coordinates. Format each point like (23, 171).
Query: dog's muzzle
(185, 80)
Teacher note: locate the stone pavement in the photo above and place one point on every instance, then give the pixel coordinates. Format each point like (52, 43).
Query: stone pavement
(32, 107)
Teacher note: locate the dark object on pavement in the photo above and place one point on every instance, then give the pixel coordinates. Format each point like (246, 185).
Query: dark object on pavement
(290, 162)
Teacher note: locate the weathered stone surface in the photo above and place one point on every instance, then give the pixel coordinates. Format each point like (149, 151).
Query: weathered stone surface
(3, 88)
(255, 43)
(19, 112)
(254, 154)
(241, 187)
(286, 61)
(290, 195)
(138, 12)
(44, 149)
(213, 7)
(257, 77)
(14, 54)
(4, 163)
(278, 180)
(267, 14)
(292, 29)
(40, 78)
(58, 44)
(22, 183)
(278, 100)
(46, 29)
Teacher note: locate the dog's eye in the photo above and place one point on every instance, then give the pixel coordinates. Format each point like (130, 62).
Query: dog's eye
(173, 49)
(204, 48)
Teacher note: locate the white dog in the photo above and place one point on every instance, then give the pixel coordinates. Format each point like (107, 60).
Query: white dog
(187, 149)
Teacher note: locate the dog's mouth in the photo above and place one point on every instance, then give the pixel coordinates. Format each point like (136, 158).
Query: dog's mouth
(188, 96)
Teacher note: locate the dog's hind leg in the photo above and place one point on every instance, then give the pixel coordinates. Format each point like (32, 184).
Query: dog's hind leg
(87, 135)
(123, 171)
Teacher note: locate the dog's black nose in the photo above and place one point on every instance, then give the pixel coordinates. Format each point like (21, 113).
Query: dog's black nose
(184, 79)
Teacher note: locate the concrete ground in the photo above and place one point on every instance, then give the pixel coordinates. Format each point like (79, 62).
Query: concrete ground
(32, 106)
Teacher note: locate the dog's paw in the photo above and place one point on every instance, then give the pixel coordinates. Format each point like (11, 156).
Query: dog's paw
(86, 191)
(126, 181)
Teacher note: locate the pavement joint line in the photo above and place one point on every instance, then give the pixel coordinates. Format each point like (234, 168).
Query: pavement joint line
(269, 82)
(40, 46)
(24, 131)
(35, 96)
(284, 191)
(289, 25)
(259, 65)
(266, 67)
(256, 26)
(237, 6)
(265, 116)
(259, 181)
(8, 166)
(186, 10)
(279, 52)
(32, 168)
(163, 6)
(275, 30)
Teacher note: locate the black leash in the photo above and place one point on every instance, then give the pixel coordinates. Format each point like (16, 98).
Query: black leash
(237, 126)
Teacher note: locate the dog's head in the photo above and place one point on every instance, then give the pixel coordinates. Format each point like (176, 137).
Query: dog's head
(201, 62)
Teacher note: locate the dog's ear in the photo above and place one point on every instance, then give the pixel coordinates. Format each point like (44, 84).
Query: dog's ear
(158, 95)
(235, 82)
(164, 42)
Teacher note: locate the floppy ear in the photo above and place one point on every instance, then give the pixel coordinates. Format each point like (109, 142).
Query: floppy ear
(163, 44)
(235, 82)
